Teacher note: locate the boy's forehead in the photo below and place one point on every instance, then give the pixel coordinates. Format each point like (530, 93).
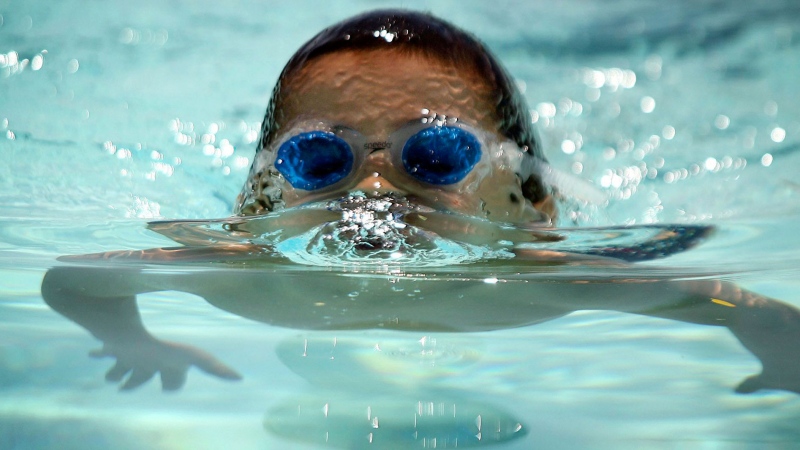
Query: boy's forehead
(378, 91)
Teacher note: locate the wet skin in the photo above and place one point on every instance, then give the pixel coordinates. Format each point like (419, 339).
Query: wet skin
(377, 93)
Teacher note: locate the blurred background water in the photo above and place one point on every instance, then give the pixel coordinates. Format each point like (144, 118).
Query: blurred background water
(115, 113)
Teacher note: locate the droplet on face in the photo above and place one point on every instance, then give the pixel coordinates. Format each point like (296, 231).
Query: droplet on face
(377, 184)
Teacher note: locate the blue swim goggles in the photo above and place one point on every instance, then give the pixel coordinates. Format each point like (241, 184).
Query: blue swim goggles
(439, 153)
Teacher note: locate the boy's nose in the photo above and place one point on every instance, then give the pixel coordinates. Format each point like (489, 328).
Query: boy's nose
(375, 182)
(376, 173)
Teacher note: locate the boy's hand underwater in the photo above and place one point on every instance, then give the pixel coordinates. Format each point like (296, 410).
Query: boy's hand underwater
(141, 359)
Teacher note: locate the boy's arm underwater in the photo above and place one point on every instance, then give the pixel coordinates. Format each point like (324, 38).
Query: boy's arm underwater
(102, 300)
(769, 329)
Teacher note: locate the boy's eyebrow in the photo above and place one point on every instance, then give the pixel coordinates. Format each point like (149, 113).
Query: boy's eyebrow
(430, 118)
(413, 121)
(401, 123)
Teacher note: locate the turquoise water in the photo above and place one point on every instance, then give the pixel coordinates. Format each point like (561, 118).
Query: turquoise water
(116, 114)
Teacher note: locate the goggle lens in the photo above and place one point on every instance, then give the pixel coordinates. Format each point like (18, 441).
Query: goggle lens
(314, 160)
(441, 155)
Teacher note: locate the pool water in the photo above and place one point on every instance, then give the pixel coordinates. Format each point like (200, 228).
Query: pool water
(116, 114)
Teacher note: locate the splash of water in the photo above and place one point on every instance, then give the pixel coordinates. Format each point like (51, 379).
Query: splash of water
(372, 230)
(371, 226)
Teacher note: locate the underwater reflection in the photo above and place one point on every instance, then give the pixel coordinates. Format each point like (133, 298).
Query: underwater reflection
(367, 394)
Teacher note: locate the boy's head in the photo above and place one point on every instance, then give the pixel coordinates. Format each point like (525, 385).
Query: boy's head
(387, 83)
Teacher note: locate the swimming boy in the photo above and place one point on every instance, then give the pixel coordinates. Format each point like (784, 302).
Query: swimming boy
(401, 107)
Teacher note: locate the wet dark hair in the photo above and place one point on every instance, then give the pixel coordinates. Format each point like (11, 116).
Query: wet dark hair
(421, 33)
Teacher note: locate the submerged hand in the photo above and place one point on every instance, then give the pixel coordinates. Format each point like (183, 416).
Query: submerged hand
(766, 380)
(781, 370)
(775, 340)
(146, 357)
